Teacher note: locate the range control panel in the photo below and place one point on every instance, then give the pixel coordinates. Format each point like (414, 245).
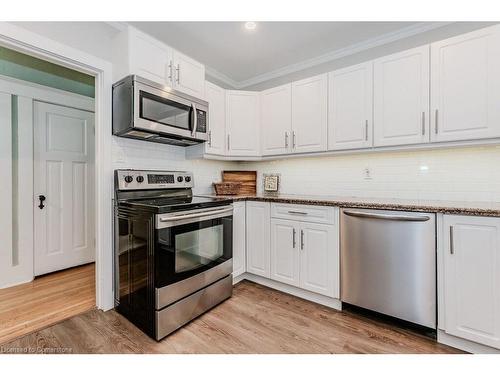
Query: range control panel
(130, 179)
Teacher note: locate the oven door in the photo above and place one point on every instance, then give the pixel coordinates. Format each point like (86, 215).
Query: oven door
(165, 112)
(192, 250)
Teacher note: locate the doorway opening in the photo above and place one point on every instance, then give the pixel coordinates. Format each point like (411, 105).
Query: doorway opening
(48, 179)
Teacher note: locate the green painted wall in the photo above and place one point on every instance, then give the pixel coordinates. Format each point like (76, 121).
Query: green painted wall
(27, 68)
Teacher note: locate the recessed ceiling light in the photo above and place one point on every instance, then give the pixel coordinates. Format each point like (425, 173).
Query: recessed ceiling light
(250, 25)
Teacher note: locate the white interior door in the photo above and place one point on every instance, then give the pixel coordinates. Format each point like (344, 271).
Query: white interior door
(64, 175)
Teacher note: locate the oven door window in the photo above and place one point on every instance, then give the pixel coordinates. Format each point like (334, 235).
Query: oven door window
(186, 250)
(198, 248)
(165, 111)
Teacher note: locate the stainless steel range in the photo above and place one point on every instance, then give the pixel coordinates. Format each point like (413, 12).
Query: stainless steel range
(173, 250)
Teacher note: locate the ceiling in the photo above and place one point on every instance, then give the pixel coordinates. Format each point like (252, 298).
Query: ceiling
(241, 58)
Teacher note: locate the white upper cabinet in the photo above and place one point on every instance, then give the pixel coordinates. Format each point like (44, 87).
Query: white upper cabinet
(276, 120)
(189, 75)
(216, 98)
(350, 107)
(401, 98)
(309, 114)
(242, 123)
(472, 278)
(135, 52)
(465, 86)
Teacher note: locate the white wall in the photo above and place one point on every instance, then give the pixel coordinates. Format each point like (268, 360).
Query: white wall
(465, 174)
(136, 154)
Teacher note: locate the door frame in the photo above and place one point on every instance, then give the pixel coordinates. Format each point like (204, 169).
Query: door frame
(24, 41)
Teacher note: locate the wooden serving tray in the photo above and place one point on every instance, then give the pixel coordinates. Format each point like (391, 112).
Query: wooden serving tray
(248, 180)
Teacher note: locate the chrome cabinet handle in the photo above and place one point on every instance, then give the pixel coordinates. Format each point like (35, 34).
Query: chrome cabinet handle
(370, 215)
(366, 130)
(293, 139)
(170, 71)
(178, 69)
(423, 123)
(301, 239)
(452, 244)
(286, 139)
(228, 142)
(210, 138)
(436, 120)
(297, 213)
(293, 238)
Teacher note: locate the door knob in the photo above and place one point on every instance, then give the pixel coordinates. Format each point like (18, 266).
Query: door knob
(41, 198)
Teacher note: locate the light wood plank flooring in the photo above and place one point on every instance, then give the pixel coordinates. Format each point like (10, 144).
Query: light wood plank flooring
(255, 320)
(47, 300)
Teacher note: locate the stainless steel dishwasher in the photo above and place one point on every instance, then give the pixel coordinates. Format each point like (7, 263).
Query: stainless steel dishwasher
(388, 263)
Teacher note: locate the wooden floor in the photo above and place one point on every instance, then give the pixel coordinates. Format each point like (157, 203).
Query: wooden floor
(255, 320)
(47, 300)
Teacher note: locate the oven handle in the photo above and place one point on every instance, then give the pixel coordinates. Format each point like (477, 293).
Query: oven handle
(196, 215)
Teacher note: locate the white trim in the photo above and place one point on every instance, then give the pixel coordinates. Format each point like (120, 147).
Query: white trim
(25, 41)
(294, 291)
(386, 38)
(462, 344)
(45, 94)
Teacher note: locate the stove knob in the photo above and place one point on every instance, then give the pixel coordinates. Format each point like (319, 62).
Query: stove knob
(129, 179)
(140, 179)
(188, 178)
(180, 179)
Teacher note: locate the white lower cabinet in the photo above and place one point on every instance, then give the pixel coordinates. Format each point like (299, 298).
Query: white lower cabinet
(306, 254)
(239, 238)
(471, 278)
(285, 251)
(258, 238)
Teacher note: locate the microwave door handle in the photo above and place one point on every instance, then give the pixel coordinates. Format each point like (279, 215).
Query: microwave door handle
(195, 121)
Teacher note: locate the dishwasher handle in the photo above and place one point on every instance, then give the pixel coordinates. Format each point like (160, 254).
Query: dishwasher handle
(371, 215)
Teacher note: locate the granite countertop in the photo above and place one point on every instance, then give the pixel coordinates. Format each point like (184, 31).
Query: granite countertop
(449, 207)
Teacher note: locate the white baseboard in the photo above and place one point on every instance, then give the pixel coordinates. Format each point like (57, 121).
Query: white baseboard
(294, 291)
(462, 344)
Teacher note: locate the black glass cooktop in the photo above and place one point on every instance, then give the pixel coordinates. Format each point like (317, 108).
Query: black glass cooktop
(172, 204)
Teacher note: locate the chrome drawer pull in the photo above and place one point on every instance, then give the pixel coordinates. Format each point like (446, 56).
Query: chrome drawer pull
(297, 213)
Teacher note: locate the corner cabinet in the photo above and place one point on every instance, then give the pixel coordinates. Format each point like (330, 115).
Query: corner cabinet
(465, 86)
(258, 238)
(350, 107)
(242, 123)
(309, 114)
(135, 52)
(276, 120)
(216, 98)
(471, 279)
(401, 98)
(239, 238)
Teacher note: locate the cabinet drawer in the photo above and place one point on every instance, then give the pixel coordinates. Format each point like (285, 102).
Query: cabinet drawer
(302, 212)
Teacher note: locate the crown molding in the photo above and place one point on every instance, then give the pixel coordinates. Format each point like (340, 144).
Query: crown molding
(387, 38)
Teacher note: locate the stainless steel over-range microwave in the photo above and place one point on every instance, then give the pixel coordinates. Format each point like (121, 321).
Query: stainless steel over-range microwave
(145, 110)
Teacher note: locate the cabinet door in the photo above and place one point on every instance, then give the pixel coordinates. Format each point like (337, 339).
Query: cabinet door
(216, 98)
(285, 251)
(309, 114)
(319, 259)
(242, 123)
(276, 119)
(189, 75)
(149, 58)
(350, 107)
(258, 238)
(239, 238)
(472, 278)
(465, 86)
(401, 98)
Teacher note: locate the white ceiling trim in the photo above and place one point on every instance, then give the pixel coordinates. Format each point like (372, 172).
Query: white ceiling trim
(328, 57)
